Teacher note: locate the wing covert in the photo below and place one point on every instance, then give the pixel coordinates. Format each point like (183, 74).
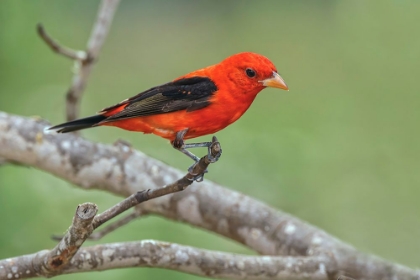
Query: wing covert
(184, 94)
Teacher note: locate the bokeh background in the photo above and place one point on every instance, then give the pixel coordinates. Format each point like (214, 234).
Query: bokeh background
(340, 150)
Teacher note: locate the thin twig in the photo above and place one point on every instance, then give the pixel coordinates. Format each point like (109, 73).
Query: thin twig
(96, 40)
(100, 29)
(56, 47)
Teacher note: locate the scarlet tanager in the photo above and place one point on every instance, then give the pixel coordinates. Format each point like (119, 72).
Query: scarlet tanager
(196, 104)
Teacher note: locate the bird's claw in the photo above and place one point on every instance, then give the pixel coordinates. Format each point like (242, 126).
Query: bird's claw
(178, 143)
(198, 178)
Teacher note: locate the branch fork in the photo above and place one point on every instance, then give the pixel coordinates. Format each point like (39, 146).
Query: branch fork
(84, 60)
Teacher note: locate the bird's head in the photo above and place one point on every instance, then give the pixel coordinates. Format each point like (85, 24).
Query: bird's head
(251, 72)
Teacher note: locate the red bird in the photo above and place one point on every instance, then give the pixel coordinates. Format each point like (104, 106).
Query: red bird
(196, 104)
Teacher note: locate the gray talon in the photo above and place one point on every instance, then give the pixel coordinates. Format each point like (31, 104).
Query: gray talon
(197, 178)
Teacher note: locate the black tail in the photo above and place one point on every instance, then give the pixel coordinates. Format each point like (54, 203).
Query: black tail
(78, 124)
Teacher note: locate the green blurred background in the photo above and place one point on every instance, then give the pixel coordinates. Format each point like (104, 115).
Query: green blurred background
(339, 150)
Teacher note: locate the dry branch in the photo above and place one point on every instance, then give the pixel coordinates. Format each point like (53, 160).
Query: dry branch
(60, 256)
(83, 59)
(58, 48)
(150, 253)
(123, 171)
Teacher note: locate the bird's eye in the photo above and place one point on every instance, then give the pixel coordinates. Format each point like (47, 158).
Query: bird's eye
(250, 72)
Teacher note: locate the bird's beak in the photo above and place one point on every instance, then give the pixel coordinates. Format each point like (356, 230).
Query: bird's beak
(276, 82)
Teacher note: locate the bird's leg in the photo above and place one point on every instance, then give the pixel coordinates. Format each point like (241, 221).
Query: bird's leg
(214, 153)
(211, 158)
(179, 144)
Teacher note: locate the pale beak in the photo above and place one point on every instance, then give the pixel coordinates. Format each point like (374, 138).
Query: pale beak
(276, 82)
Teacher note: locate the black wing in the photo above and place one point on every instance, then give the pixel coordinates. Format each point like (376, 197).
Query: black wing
(185, 94)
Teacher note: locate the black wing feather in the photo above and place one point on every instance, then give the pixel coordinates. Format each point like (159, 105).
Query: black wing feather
(185, 94)
(78, 124)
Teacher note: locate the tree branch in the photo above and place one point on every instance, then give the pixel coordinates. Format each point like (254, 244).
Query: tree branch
(157, 254)
(123, 171)
(60, 256)
(83, 59)
(56, 47)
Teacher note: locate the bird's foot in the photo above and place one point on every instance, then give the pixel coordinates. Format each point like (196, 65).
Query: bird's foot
(214, 151)
(197, 177)
(213, 155)
(178, 142)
